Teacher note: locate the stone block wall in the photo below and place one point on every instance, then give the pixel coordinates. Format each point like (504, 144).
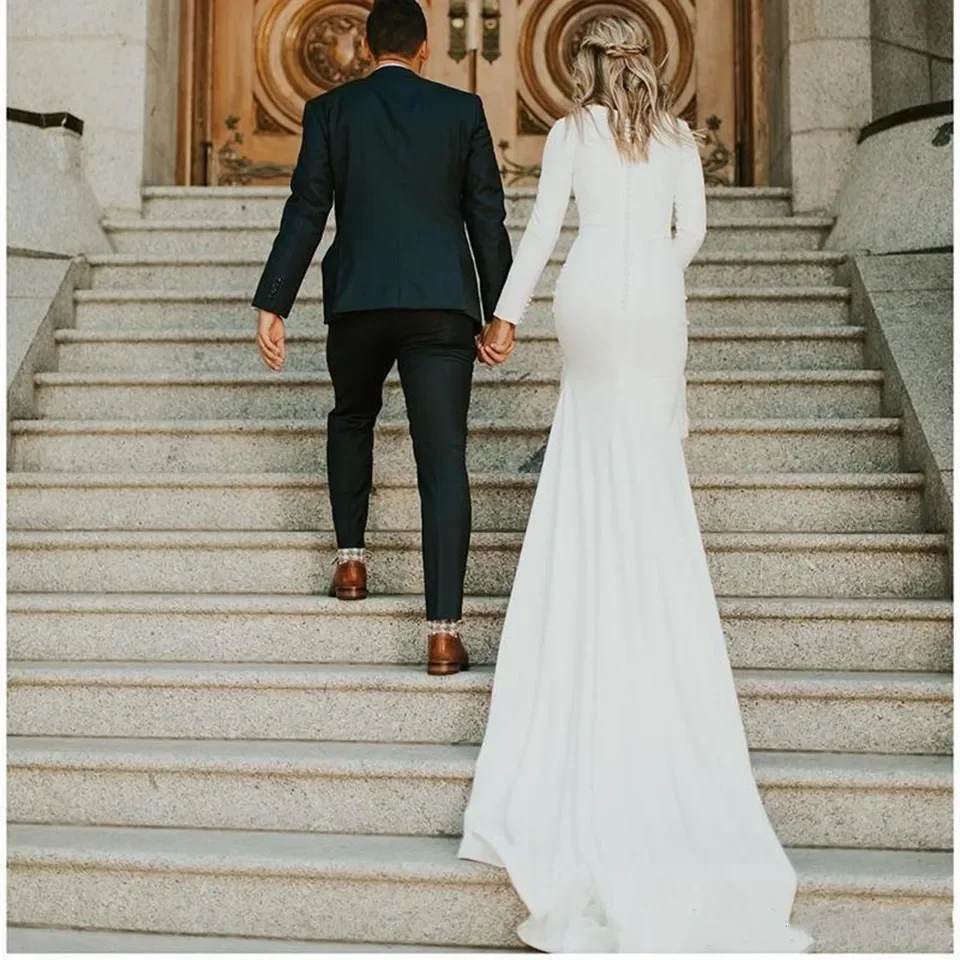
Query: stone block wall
(113, 64)
(836, 65)
(778, 89)
(911, 53)
(819, 56)
(162, 72)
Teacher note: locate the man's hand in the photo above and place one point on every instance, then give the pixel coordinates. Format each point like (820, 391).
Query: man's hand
(270, 339)
(497, 341)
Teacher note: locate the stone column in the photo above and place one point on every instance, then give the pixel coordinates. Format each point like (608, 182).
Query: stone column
(835, 65)
(161, 91)
(821, 94)
(113, 64)
(912, 53)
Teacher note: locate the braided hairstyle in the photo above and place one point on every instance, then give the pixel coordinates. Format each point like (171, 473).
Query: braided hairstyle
(613, 68)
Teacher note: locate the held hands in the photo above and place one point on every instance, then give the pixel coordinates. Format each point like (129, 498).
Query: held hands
(270, 339)
(497, 341)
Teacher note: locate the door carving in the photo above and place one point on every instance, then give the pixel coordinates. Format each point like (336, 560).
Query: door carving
(249, 66)
(301, 50)
(696, 43)
(264, 60)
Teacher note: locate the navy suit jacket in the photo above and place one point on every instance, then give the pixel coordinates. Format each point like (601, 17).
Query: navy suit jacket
(409, 167)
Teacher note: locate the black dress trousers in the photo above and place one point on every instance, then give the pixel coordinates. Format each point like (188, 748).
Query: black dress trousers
(435, 352)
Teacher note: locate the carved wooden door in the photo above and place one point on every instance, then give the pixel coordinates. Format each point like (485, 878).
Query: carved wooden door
(249, 66)
(267, 57)
(531, 83)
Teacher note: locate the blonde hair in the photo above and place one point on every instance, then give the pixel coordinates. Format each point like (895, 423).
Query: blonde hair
(613, 68)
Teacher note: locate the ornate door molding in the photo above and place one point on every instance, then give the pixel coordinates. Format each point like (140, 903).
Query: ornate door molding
(248, 66)
(255, 64)
(304, 49)
(712, 54)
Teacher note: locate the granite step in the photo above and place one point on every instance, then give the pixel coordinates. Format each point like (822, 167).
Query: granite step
(266, 203)
(200, 271)
(258, 446)
(851, 565)
(813, 799)
(789, 633)
(254, 238)
(253, 752)
(824, 503)
(219, 309)
(382, 888)
(73, 940)
(537, 352)
(506, 393)
(872, 712)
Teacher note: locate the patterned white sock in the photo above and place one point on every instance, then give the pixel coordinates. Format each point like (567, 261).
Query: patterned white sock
(351, 553)
(444, 626)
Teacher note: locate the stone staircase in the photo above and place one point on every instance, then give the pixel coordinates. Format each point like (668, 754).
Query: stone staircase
(208, 754)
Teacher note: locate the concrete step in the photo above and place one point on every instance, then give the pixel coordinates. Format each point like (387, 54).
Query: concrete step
(266, 203)
(504, 393)
(216, 309)
(782, 709)
(791, 633)
(537, 352)
(254, 238)
(839, 503)
(741, 564)
(258, 446)
(198, 272)
(813, 799)
(72, 940)
(335, 887)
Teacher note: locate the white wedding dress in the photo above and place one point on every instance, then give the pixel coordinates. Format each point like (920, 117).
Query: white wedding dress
(614, 782)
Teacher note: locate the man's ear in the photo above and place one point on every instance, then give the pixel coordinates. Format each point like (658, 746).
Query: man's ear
(365, 50)
(423, 54)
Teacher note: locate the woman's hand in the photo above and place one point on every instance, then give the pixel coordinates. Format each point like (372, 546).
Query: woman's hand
(270, 339)
(497, 341)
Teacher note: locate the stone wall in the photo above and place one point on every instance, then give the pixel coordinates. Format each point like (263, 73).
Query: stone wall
(835, 65)
(820, 83)
(906, 304)
(911, 53)
(51, 207)
(39, 302)
(897, 194)
(162, 70)
(112, 63)
(778, 89)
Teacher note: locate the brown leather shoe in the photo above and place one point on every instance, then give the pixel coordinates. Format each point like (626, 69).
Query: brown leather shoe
(446, 654)
(349, 581)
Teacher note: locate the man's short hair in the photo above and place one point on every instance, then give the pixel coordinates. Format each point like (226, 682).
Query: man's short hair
(396, 26)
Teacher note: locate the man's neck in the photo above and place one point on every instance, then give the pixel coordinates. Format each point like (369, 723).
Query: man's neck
(394, 62)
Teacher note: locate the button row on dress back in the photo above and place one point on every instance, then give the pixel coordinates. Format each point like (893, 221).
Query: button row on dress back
(625, 165)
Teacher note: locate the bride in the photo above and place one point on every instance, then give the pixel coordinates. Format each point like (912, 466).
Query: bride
(614, 783)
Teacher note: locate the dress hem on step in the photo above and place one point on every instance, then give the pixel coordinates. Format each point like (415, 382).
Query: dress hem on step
(791, 939)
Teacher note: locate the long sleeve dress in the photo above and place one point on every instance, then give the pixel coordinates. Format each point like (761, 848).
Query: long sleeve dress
(614, 782)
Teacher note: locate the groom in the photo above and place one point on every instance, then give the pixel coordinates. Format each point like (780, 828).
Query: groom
(408, 164)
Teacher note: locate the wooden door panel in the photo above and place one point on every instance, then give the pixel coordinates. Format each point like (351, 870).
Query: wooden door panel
(696, 46)
(257, 61)
(269, 58)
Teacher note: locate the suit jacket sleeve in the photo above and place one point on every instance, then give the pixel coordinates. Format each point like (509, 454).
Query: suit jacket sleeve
(484, 213)
(304, 218)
